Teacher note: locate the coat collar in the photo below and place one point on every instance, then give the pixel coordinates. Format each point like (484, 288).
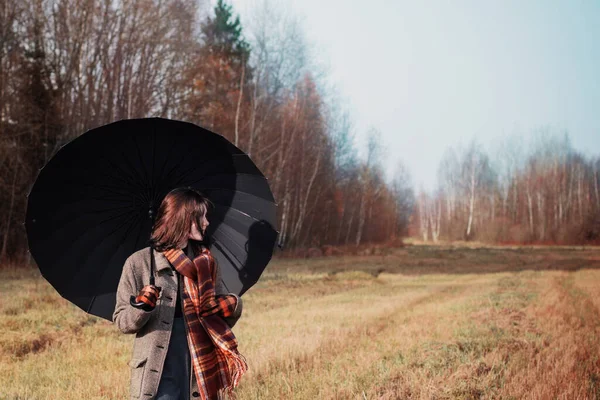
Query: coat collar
(161, 261)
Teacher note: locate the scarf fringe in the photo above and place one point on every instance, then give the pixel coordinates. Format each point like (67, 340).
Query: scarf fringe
(227, 394)
(236, 367)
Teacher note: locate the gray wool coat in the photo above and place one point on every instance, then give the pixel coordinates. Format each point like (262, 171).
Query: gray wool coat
(152, 329)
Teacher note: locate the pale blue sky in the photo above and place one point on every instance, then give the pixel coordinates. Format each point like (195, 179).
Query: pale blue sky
(433, 74)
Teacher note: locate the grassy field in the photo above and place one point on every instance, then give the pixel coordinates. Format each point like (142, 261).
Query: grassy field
(418, 322)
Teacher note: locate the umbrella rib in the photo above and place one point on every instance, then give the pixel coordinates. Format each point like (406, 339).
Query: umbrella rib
(105, 187)
(185, 173)
(236, 174)
(137, 178)
(272, 199)
(173, 142)
(174, 168)
(219, 266)
(125, 221)
(101, 211)
(256, 211)
(113, 177)
(123, 176)
(100, 199)
(236, 210)
(160, 189)
(237, 191)
(128, 214)
(181, 159)
(232, 240)
(152, 177)
(129, 208)
(141, 159)
(218, 246)
(104, 271)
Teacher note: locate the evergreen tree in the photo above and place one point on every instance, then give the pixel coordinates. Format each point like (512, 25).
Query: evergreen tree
(221, 72)
(222, 34)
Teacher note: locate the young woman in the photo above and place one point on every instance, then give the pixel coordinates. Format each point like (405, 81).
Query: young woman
(184, 347)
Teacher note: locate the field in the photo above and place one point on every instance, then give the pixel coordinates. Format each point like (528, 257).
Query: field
(418, 322)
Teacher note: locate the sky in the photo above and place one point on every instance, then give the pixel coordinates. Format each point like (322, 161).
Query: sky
(430, 75)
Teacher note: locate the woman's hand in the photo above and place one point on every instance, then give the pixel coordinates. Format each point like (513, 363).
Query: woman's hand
(146, 298)
(224, 304)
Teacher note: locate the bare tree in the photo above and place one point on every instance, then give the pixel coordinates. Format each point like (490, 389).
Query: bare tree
(403, 193)
(368, 175)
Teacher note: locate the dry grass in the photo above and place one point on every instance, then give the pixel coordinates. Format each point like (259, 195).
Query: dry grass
(421, 322)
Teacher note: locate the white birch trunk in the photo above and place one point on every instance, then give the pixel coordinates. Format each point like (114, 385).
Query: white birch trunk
(542, 219)
(239, 106)
(530, 208)
(471, 199)
(596, 185)
(302, 213)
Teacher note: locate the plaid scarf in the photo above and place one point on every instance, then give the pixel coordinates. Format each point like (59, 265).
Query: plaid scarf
(213, 347)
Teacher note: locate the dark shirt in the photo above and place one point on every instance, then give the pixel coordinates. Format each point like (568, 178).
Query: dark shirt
(178, 308)
(178, 312)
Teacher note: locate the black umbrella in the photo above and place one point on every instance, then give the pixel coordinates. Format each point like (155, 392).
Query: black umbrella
(93, 203)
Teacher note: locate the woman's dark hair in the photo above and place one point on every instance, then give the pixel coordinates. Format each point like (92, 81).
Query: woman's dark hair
(177, 211)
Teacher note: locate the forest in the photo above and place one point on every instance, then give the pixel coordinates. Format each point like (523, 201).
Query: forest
(70, 66)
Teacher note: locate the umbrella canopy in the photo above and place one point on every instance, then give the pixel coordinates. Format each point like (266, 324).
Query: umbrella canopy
(94, 202)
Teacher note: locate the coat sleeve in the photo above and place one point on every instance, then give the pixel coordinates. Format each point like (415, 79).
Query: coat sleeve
(128, 318)
(221, 289)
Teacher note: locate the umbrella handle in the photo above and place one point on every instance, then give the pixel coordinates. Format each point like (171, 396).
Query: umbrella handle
(152, 266)
(141, 304)
(146, 299)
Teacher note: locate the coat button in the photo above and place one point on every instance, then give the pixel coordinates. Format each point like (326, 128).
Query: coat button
(196, 394)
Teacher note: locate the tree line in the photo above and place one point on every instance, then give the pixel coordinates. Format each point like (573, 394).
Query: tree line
(544, 192)
(69, 66)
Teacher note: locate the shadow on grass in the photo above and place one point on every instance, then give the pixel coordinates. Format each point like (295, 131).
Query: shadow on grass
(420, 260)
(417, 260)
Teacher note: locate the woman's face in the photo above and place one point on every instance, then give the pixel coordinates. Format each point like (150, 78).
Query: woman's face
(197, 234)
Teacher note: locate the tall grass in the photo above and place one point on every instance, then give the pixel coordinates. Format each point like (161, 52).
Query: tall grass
(419, 323)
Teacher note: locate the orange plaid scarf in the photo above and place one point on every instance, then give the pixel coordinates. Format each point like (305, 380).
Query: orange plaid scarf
(213, 347)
